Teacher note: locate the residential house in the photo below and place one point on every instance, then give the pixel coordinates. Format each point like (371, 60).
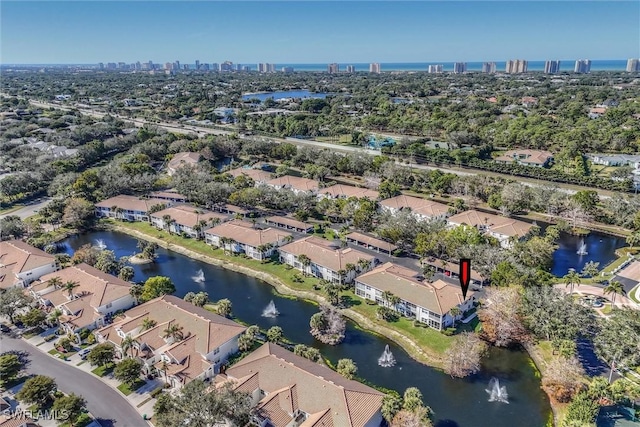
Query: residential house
(429, 303)
(171, 196)
(294, 183)
(506, 230)
(529, 101)
(452, 269)
(185, 219)
(615, 159)
(21, 264)
(596, 112)
(536, 158)
(326, 261)
(94, 297)
(18, 420)
(236, 211)
(340, 191)
(174, 338)
(129, 208)
(258, 176)
(241, 236)
(371, 243)
(288, 390)
(182, 159)
(422, 209)
(289, 224)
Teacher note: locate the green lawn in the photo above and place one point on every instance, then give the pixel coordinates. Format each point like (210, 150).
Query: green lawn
(103, 370)
(83, 420)
(126, 390)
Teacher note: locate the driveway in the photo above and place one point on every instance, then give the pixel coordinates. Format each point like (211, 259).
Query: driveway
(105, 403)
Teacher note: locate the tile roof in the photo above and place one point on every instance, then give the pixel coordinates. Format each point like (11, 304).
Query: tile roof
(324, 253)
(245, 233)
(287, 221)
(184, 158)
(188, 216)
(496, 223)
(438, 297)
(420, 206)
(18, 257)
(131, 203)
(371, 241)
(295, 382)
(17, 421)
(257, 175)
(346, 191)
(295, 182)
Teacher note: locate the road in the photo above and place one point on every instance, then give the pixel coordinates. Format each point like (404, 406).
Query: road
(29, 210)
(106, 404)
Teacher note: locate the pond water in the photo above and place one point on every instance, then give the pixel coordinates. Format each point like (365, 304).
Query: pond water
(456, 403)
(301, 93)
(598, 247)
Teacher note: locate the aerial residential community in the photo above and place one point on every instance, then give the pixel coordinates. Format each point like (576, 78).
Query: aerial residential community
(378, 227)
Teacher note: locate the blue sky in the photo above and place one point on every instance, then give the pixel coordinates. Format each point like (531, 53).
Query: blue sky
(316, 32)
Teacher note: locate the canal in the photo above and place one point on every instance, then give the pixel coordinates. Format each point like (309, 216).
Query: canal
(455, 402)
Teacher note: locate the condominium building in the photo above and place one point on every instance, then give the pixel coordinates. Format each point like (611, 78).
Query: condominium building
(215, 66)
(460, 67)
(435, 68)
(515, 66)
(551, 67)
(582, 66)
(633, 65)
(197, 64)
(333, 68)
(374, 67)
(489, 67)
(351, 69)
(266, 68)
(287, 69)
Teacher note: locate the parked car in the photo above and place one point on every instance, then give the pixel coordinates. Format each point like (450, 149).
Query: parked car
(4, 328)
(84, 353)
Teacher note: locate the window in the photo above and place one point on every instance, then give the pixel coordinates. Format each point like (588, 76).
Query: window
(109, 305)
(216, 351)
(360, 293)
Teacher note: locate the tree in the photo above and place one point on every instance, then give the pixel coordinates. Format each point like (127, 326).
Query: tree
(70, 407)
(33, 317)
(391, 405)
(417, 418)
(147, 324)
(275, 334)
(10, 367)
(128, 343)
(223, 307)
(12, 300)
(563, 378)
(70, 286)
(203, 406)
(328, 326)
(128, 371)
(136, 292)
(37, 390)
(245, 342)
(587, 199)
(310, 353)
(633, 239)
(412, 399)
(101, 354)
(174, 332)
(614, 288)
(347, 368)
(571, 278)
(157, 286)
(201, 298)
(500, 319)
(590, 269)
(11, 225)
(618, 338)
(126, 273)
(333, 292)
(305, 261)
(106, 261)
(463, 357)
(78, 213)
(253, 331)
(582, 411)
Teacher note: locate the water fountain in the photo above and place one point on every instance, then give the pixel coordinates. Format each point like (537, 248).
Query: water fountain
(270, 310)
(387, 360)
(99, 243)
(497, 393)
(583, 248)
(199, 277)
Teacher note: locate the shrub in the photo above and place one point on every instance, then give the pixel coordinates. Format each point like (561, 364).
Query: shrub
(449, 331)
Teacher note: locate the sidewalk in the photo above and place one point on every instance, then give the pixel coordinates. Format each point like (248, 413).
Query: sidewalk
(140, 399)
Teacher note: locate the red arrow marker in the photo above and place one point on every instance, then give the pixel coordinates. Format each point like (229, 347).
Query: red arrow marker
(465, 276)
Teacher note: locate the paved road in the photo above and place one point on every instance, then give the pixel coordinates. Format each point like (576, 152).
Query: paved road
(103, 402)
(29, 210)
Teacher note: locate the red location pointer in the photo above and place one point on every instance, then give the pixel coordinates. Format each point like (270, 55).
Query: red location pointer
(465, 276)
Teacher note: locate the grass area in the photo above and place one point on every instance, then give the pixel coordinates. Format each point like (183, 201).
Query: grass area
(103, 370)
(617, 262)
(144, 402)
(40, 343)
(82, 421)
(340, 139)
(606, 309)
(127, 390)
(634, 295)
(33, 333)
(13, 208)
(81, 363)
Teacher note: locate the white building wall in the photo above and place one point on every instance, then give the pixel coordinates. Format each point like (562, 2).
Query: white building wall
(27, 277)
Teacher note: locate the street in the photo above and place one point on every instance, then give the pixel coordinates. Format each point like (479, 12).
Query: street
(104, 403)
(29, 210)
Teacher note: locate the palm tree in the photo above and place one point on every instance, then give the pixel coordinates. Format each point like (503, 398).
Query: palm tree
(128, 343)
(147, 324)
(56, 282)
(173, 331)
(614, 288)
(571, 278)
(136, 292)
(70, 286)
(455, 312)
(386, 297)
(119, 212)
(633, 239)
(167, 221)
(54, 317)
(305, 261)
(223, 307)
(364, 264)
(214, 221)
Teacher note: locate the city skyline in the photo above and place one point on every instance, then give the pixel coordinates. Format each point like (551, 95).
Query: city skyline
(283, 32)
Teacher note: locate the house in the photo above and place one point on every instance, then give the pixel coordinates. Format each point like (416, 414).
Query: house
(289, 224)
(295, 184)
(597, 112)
(241, 236)
(21, 264)
(258, 176)
(129, 208)
(615, 159)
(340, 191)
(96, 296)
(185, 219)
(452, 269)
(529, 101)
(536, 158)
(18, 420)
(325, 260)
(371, 243)
(202, 341)
(289, 390)
(422, 209)
(236, 211)
(502, 228)
(168, 195)
(429, 303)
(182, 159)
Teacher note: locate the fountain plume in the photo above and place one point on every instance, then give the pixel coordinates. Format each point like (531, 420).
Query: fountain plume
(199, 277)
(99, 243)
(582, 250)
(270, 310)
(387, 360)
(496, 392)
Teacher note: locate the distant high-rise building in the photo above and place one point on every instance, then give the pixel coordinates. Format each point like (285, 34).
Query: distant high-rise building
(150, 65)
(287, 69)
(176, 65)
(138, 66)
(633, 65)
(168, 66)
(460, 67)
(374, 67)
(226, 66)
(204, 67)
(489, 67)
(351, 69)
(266, 68)
(122, 65)
(100, 66)
(245, 68)
(582, 66)
(551, 67)
(333, 68)
(197, 64)
(515, 66)
(435, 69)
(215, 66)
(185, 67)
(111, 65)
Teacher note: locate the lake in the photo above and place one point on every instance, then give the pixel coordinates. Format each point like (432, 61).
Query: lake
(301, 93)
(599, 247)
(456, 403)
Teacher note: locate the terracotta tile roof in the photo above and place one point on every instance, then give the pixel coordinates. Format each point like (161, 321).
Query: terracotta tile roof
(420, 206)
(279, 406)
(371, 241)
(18, 421)
(83, 314)
(287, 221)
(257, 175)
(496, 223)
(18, 257)
(186, 158)
(438, 297)
(319, 391)
(347, 191)
(323, 253)
(295, 182)
(245, 233)
(188, 216)
(130, 203)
